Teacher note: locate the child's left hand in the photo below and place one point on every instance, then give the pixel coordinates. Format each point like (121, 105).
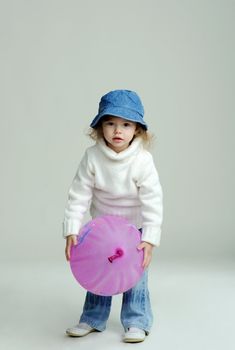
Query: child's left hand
(148, 248)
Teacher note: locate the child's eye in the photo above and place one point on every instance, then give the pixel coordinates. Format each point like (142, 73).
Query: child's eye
(109, 123)
(127, 124)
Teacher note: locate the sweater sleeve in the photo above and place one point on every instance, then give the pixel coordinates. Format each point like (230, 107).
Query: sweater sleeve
(151, 196)
(79, 197)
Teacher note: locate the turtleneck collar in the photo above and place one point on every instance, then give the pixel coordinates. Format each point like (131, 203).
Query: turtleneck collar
(133, 149)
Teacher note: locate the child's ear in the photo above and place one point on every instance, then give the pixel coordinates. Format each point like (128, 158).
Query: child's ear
(136, 130)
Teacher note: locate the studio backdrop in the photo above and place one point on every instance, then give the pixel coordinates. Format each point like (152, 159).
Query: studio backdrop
(59, 57)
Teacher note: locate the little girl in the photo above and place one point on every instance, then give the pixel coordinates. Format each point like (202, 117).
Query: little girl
(117, 176)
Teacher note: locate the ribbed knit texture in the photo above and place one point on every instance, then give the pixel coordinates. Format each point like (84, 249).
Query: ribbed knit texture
(125, 184)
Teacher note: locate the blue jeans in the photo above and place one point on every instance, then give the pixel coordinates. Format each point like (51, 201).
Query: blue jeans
(135, 312)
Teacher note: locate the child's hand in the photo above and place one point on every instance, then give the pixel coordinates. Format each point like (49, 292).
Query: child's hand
(70, 240)
(148, 247)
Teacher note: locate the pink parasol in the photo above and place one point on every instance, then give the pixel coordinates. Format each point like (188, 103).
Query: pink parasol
(106, 260)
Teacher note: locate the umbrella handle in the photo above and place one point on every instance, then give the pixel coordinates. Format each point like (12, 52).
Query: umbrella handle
(119, 253)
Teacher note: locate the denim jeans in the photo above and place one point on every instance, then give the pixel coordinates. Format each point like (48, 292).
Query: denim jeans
(135, 312)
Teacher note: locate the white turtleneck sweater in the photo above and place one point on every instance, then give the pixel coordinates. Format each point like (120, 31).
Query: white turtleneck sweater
(124, 184)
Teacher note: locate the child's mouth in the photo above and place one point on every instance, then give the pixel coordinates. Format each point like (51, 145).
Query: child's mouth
(117, 139)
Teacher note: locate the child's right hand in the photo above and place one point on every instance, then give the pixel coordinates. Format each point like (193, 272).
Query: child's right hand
(70, 240)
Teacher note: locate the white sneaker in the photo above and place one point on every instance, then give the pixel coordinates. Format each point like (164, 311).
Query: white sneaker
(80, 330)
(134, 335)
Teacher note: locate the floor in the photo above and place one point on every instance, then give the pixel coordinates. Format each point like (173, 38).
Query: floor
(193, 304)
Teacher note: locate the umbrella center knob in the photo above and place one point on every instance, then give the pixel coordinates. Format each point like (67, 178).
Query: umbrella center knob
(119, 253)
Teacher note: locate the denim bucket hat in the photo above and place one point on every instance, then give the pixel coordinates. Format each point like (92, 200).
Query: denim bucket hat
(125, 104)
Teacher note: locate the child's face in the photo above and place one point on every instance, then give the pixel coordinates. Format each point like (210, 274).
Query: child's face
(118, 132)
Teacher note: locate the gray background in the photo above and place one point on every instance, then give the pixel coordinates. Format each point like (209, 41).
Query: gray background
(57, 58)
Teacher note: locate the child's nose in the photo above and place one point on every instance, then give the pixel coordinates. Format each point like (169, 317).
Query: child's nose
(117, 129)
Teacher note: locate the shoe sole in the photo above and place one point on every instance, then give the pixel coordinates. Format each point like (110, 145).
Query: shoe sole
(79, 335)
(133, 340)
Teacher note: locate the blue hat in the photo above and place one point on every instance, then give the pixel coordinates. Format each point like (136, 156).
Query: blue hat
(125, 104)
